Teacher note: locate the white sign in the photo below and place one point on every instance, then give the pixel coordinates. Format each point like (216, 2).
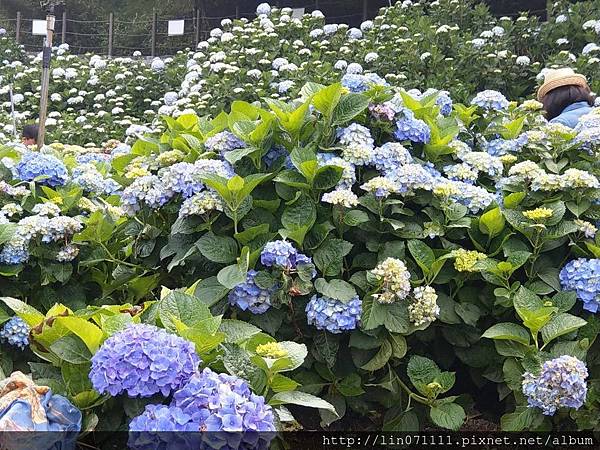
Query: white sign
(297, 13)
(176, 27)
(38, 27)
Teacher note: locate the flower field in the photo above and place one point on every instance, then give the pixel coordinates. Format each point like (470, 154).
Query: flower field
(302, 225)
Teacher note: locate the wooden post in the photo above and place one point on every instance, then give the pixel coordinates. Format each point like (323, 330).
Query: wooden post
(18, 27)
(198, 25)
(365, 10)
(47, 53)
(237, 10)
(111, 20)
(64, 28)
(316, 4)
(549, 9)
(153, 50)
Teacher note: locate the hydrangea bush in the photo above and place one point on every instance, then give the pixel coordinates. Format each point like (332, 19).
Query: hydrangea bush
(350, 247)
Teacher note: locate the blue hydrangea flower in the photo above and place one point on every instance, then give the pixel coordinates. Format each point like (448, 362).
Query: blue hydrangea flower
(583, 276)
(223, 142)
(348, 174)
(490, 100)
(360, 83)
(33, 165)
(445, 103)
(149, 190)
(221, 402)
(91, 180)
(410, 177)
(143, 360)
(333, 315)
(15, 332)
(409, 128)
(164, 427)
(181, 178)
(499, 147)
(214, 166)
(163, 418)
(561, 383)
(248, 296)
(389, 157)
(355, 135)
(93, 157)
(16, 252)
(278, 253)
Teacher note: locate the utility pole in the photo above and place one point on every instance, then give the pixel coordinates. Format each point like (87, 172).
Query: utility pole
(46, 56)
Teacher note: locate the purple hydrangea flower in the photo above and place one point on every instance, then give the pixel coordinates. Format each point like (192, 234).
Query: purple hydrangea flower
(34, 165)
(15, 332)
(148, 189)
(333, 315)
(221, 402)
(583, 276)
(561, 383)
(143, 360)
(389, 157)
(248, 296)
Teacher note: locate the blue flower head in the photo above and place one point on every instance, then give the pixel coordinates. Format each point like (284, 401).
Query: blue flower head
(490, 100)
(15, 332)
(412, 129)
(223, 142)
(282, 254)
(221, 402)
(249, 296)
(561, 383)
(143, 360)
(34, 165)
(583, 276)
(333, 315)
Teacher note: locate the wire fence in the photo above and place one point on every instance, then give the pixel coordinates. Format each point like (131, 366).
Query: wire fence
(121, 36)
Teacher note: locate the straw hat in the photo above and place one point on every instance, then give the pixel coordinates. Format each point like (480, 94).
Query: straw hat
(555, 78)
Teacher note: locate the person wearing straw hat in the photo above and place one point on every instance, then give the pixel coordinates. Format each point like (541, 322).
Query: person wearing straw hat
(566, 96)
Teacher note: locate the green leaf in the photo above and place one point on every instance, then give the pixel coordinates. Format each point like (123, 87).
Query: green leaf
(355, 217)
(399, 346)
(7, 230)
(350, 106)
(327, 99)
(422, 254)
(299, 217)
(507, 331)
(492, 222)
(336, 289)
(210, 291)
(26, 312)
(281, 383)
(380, 359)
(295, 352)
(186, 308)
(522, 419)
(327, 346)
(220, 249)
(560, 325)
(329, 257)
(448, 415)
(237, 331)
(421, 370)
(71, 349)
(89, 333)
(302, 399)
(231, 276)
(327, 177)
(350, 386)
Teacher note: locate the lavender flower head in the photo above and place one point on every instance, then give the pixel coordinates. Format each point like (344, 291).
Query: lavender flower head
(283, 254)
(333, 315)
(561, 383)
(223, 142)
(583, 276)
(220, 402)
(249, 296)
(412, 129)
(34, 165)
(143, 360)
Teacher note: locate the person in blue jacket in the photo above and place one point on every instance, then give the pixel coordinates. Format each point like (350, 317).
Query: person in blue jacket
(566, 96)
